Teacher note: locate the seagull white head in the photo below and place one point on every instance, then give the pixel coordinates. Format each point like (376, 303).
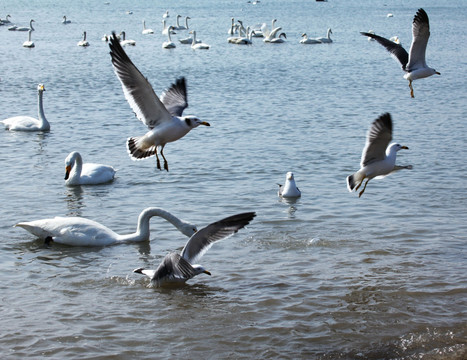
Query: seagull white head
(200, 270)
(193, 121)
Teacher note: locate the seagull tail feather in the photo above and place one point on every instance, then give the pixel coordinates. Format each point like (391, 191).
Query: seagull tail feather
(137, 151)
(354, 179)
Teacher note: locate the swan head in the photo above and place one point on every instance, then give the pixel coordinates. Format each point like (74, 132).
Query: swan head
(70, 162)
(40, 88)
(193, 121)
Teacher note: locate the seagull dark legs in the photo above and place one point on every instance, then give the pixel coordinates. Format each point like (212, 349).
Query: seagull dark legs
(166, 165)
(361, 192)
(411, 88)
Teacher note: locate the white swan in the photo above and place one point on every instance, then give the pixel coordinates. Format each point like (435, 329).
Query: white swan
(178, 268)
(27, 123)
(78, 231)
(181, 27)
(166, 14)
(272, 35)
(146, 31)
(125, 42)
(83, 42)
(197, 45)
(165, 29)
(77, 173)
(264, 28)
(65, 21)
(307, 40)
(279, 39)
(289, 189)
(188, 40)
(168, 44)
(23, 28)
(245, 40)
(5, 21)
(327, 39)
(29, 43)
(232, 29)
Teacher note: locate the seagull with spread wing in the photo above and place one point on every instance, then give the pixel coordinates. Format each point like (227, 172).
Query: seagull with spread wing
(162, 116)
(413, 63)
(178, 268)
(378, 160)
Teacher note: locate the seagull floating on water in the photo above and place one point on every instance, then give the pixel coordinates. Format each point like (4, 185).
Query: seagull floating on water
(378, 160)
(289, 189)
(178, 268)
(78, 231)
(162, 116)
(414, 63)
(28, 123)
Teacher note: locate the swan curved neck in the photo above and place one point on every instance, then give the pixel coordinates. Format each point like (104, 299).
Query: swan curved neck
(194, 38)
(76, 169)
(40, 108)
(142, 230)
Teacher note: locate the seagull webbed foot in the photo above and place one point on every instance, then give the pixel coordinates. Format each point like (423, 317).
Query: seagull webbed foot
(166, 166)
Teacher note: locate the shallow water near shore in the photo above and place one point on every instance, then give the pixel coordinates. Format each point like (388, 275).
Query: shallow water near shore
(329, 276)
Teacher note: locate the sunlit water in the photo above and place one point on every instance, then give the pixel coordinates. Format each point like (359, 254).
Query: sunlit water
(330, 276)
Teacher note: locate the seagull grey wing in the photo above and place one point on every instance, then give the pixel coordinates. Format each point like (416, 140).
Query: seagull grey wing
(396, 50)
(175, 98)
(173, 268)
(378, 138)
(201, 241)
(420, 36)
(136, 88)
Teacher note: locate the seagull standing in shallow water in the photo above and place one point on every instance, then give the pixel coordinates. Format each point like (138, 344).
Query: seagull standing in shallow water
(414, 63)
(162, 116)
(178, 268)
(378, 160)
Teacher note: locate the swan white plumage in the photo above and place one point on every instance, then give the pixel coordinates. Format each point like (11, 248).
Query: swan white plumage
(197, 45)
(146, 31)
(245, 40)
(83, 42)
(168, 44)
(181, 27)
(29, 43)
(177, 268)
(78, 231)
(232, 27)
(165, 28)
(77, 173)
(272, 35)
(279, 39)
(125, 42)
(188, 40)
(6, 20)
(65, 21)
(264, 28)
(307, 40)
(23, 28)
(28, 123)
(327, 39)
(166, 14)
(289, 189)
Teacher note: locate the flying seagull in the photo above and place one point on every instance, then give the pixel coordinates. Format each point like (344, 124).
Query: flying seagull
(178, 268)
(378, 160)
(162, 116)
(413, 63)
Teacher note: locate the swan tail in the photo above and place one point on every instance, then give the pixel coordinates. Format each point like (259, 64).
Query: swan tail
(354, 180)
(137, 151)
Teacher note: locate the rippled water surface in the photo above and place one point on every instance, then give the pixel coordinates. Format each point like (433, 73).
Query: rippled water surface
(330, 276)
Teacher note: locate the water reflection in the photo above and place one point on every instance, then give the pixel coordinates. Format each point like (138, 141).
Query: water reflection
(74, 200)
(292, 202)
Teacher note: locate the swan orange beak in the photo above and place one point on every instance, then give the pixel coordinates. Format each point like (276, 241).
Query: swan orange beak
(67, 172)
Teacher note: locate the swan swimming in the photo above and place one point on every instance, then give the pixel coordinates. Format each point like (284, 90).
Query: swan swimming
(307, 40)
(22, 28)
(65, 21)
(378, 159)
(327, 39)
(168, 44)
(165, 29)
(162, 116)
(28, 123)
(198, 45)
(77, 173)
(29, 43)
(177, 268)
(146, 31)
(181, 27)
(83, 42)
(289, 189)
(125, 42)
(279, 39)
(78, 231)
(413, 63)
